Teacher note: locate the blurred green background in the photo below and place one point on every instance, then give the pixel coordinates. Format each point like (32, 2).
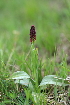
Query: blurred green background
(50, 17)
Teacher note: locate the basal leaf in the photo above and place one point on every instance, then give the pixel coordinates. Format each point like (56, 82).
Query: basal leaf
(19, 75)
(53, 79)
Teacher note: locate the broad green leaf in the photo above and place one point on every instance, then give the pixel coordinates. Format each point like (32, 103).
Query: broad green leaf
(24, 81)
(53, 79)
(19, 75)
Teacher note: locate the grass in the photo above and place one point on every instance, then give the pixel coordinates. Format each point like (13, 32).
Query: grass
(51, 18)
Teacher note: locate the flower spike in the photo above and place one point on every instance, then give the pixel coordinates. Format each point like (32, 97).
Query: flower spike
(32, 34)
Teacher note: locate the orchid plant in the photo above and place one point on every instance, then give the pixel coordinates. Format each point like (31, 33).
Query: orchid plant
(34, 80)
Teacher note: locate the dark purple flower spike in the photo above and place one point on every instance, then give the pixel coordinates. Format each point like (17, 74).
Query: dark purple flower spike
(32, 34)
